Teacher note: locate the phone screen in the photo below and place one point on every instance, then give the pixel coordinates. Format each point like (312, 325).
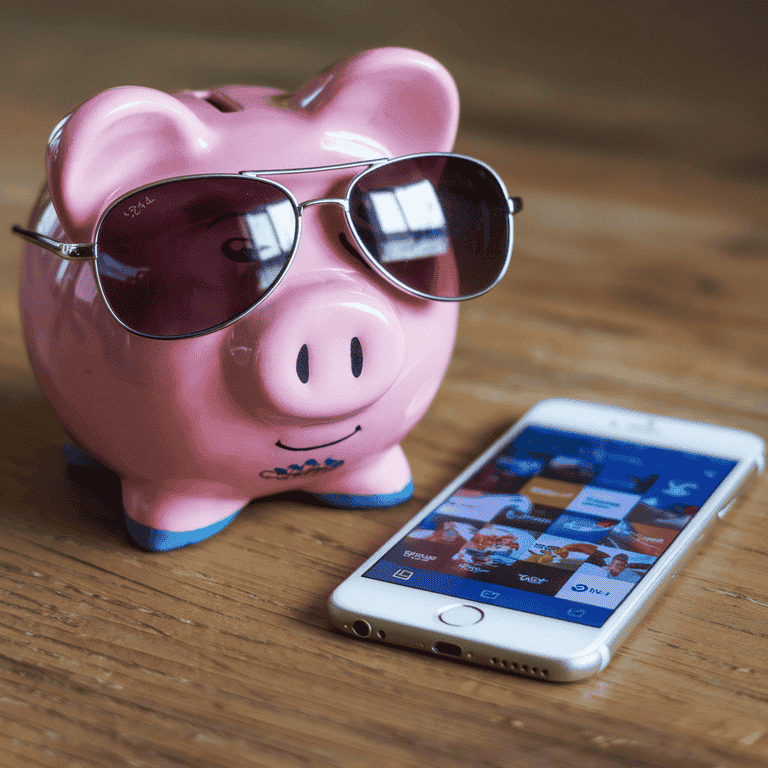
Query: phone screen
(557, 524)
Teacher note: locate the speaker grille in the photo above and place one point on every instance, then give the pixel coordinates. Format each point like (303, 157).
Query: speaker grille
(524, 669)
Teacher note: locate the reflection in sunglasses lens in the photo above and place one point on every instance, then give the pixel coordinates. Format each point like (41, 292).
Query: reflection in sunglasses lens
(192, 254)
(189, 255)
(437, 224)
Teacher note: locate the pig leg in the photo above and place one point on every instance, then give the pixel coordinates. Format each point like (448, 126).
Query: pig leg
(382, 480)
(164, 516)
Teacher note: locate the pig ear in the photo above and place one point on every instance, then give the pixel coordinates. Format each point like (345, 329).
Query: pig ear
(404, 98)
(117, 141)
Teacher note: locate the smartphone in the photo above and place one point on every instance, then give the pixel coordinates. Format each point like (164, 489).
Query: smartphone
(545, 553)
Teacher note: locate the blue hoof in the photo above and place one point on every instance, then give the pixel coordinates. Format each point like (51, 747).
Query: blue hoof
(362, 501)
(158, 540)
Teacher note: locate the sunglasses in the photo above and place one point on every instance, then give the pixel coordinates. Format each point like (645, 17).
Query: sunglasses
(188, 256)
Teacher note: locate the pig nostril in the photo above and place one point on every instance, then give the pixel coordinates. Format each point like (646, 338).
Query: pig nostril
(356, 353)
(302, 365)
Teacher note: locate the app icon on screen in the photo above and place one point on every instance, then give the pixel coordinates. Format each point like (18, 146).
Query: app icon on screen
(581, 527)
(558, 552)
(611, 563)
(594, 590)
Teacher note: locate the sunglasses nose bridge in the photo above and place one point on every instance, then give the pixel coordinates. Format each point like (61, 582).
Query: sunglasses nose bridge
(343, 203)
(322, 201)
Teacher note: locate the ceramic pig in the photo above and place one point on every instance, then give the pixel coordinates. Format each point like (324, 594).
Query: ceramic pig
(314, 388)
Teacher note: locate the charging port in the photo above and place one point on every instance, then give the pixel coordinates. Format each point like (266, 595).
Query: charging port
(448, 649)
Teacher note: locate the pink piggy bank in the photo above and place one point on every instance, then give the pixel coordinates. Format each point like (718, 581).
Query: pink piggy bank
(232, 293)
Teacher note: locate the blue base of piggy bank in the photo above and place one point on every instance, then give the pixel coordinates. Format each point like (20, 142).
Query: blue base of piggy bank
(159, 540)
(365, 501)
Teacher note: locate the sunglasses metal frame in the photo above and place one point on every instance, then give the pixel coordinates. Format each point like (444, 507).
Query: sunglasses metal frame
(89, 251)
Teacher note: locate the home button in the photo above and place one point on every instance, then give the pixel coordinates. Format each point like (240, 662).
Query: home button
(461, 615)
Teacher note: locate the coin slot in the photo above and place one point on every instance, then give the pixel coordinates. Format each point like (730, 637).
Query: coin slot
(222, 103)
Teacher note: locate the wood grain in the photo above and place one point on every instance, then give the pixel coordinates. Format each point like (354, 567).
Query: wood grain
(639, 278)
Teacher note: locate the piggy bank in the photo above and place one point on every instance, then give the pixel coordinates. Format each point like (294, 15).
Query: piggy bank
(232, 293)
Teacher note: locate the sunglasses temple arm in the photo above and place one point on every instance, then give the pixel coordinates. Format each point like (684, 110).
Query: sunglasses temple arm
(515, 205)
(69, 251)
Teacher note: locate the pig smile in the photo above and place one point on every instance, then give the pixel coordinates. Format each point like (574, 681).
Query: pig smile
(280, 444)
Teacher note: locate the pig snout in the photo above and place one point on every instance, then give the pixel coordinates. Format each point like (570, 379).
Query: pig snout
(323, 352)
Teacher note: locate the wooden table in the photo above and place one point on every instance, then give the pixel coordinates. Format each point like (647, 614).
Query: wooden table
(639, 279)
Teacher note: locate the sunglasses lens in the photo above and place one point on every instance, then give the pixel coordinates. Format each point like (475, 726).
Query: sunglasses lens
(437, 224)
(189, 255)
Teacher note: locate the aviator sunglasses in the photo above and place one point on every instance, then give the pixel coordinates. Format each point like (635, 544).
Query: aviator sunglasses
(188, 256)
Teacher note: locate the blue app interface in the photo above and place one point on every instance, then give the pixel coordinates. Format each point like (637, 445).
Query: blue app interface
(557, 524)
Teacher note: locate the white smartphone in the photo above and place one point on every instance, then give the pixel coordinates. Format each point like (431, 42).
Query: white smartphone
(544, 554)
